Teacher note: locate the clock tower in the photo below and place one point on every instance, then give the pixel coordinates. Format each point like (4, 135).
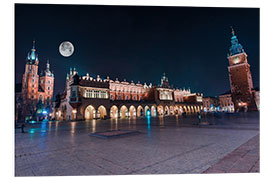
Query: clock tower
(240, 77)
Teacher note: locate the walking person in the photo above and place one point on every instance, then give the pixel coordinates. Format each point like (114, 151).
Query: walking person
(199, 117)
(22, 128)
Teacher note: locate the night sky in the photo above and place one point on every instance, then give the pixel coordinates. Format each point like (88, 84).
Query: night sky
(138, 43)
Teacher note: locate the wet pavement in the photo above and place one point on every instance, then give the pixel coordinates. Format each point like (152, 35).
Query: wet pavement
(168, 145)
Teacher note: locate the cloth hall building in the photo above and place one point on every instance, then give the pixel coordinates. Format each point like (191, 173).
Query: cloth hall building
(86, 97)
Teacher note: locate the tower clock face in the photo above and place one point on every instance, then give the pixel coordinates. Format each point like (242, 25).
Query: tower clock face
(236, 60)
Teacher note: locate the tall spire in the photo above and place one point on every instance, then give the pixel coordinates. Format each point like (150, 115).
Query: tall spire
(70, 71)
(34, 44)
(164, 81)
(48, 65)
(32, 56)
(232, 30)
(236, 47)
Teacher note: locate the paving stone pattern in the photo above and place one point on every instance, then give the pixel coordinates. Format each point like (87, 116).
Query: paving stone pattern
(242, 160)
(163, 146)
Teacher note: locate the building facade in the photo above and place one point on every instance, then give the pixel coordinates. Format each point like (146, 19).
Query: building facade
(226, 103)
(240, 77)
(34, 101)
(86, 97)
(256, 95)
(210, 104)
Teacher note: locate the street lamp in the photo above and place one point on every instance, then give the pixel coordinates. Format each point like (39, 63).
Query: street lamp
(74, 111)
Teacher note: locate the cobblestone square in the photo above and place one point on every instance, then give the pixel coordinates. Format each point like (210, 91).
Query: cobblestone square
(167, 145)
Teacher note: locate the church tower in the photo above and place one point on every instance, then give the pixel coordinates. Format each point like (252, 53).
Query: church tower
(30, 77)
(37, 90)
(46, 84)
(240, 77)
(30, 84)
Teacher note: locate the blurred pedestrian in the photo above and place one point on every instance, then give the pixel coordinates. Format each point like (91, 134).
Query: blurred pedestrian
(199, 117)
(22, 128)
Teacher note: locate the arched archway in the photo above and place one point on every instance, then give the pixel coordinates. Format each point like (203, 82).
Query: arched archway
(101, 112)
(153, 111)
(90, 112)
(132, 111)
(167, 111)
(188, 109)
(114, 112)
(160, 110)
(180, 110)
(191, 109)
(123, 112)
(140, 111)
(184, 109)
(195, 109)
(171, 110)
(176, 110)
(147, 111)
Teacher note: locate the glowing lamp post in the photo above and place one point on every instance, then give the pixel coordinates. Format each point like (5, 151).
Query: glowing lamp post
(148, 112)
(74, 111)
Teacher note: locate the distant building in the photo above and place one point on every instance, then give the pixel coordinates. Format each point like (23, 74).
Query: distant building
(240, 77)
(86, 97)
(210, 104)
(225, 102)
(256, 95)
(34, 100)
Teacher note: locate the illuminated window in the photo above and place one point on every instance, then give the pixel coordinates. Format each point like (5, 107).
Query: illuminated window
(40, 98)
(41, 81)
(95, 94)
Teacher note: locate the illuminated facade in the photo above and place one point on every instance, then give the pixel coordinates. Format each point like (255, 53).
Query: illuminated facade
(86, 97)
(240, 77)
(210, 104)
(35, 98)
(226, 103)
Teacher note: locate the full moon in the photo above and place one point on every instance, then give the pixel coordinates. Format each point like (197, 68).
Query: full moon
(66, 48)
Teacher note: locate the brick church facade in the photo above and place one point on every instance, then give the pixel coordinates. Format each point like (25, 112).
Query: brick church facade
(34, 95)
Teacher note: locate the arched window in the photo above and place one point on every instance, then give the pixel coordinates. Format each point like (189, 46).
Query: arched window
(41, 98)
(127, 97)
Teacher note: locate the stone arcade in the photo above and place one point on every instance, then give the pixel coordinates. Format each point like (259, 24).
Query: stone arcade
(86, 97)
